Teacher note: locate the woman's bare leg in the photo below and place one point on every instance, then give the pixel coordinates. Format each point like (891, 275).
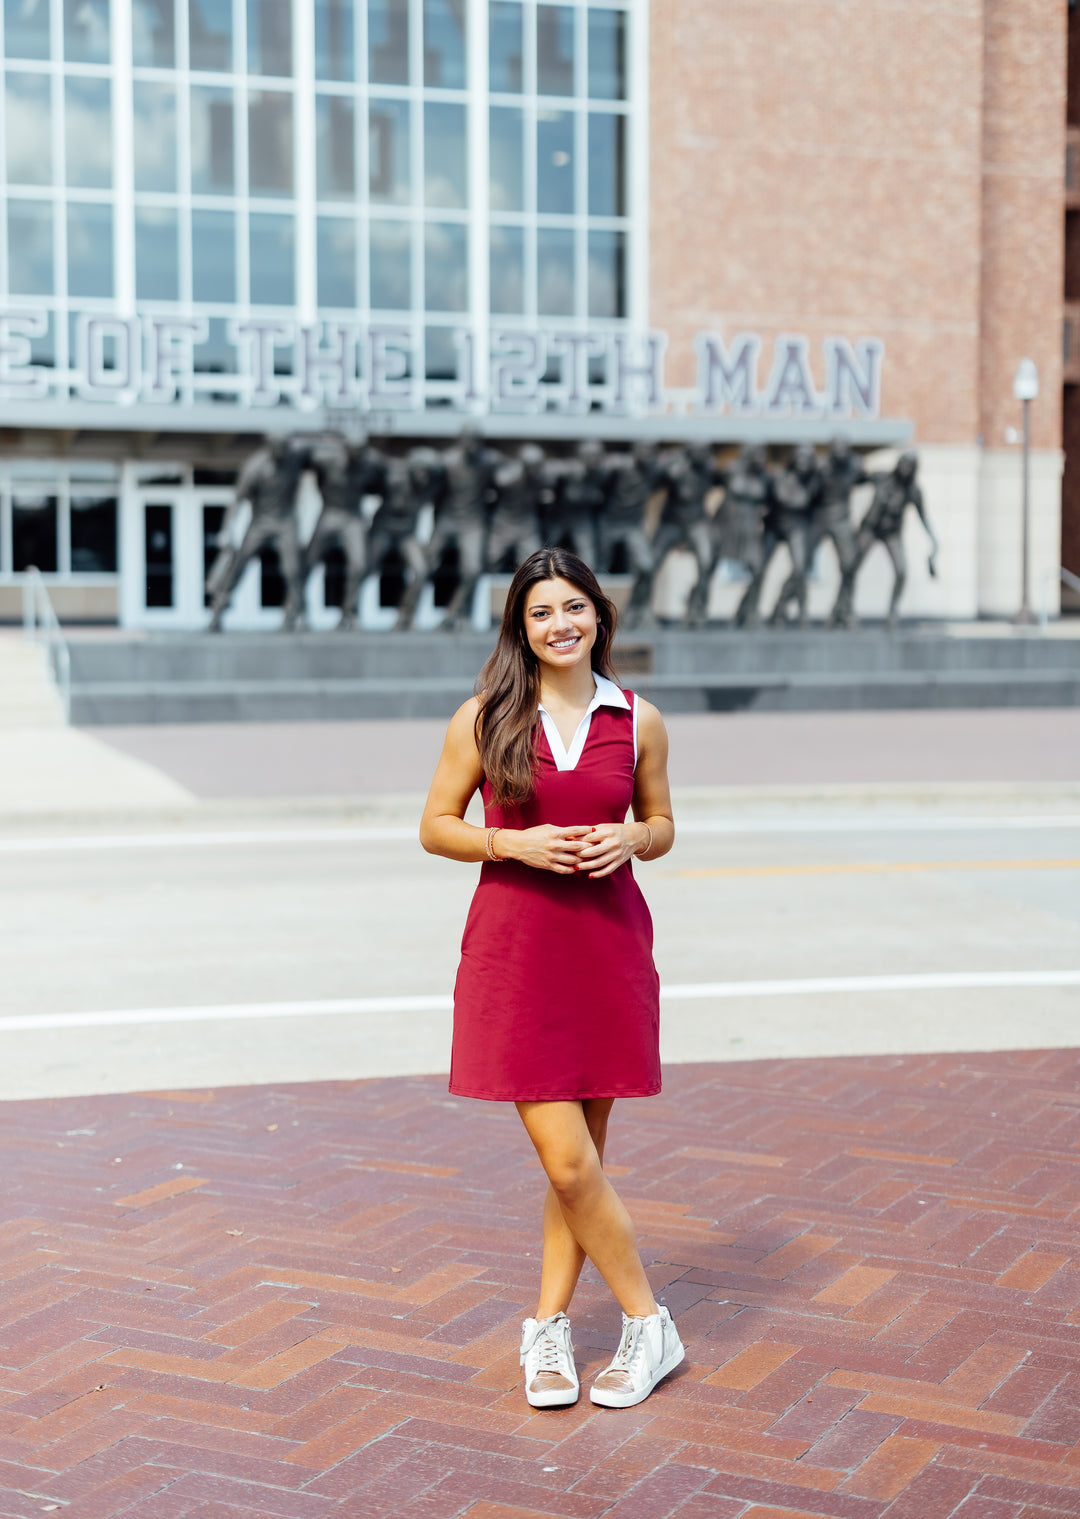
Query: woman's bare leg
(563, 1256)
(569, 1138)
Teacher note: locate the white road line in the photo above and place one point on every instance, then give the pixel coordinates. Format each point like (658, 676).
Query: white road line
(285, 837)
(695, 991)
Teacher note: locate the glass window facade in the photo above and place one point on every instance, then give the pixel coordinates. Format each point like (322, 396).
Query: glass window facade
(61, 518)
(178, 175)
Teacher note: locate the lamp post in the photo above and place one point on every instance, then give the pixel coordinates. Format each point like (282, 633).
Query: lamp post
(1025, 389)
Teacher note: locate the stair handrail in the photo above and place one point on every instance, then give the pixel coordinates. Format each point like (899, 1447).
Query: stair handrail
(1064, 577)
(41, 626)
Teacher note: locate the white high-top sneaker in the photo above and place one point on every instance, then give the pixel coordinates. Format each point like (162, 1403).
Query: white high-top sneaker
(650, 1348)
(547, 1354)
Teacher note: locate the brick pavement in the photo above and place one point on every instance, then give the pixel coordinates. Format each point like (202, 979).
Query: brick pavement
(305, 1301)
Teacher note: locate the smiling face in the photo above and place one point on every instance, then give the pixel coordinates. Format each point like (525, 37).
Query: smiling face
(560, 623)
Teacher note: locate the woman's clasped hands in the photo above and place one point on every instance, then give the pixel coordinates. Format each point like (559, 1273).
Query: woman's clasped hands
(597, 851)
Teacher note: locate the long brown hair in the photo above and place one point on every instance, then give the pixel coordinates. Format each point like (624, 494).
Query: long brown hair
(508, 686)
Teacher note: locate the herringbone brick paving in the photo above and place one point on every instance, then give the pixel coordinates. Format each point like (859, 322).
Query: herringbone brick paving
(305, 1301)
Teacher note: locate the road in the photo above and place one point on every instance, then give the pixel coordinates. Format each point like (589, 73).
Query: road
(181, 957)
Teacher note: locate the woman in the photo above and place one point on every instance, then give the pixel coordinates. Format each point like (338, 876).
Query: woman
(556, 1006)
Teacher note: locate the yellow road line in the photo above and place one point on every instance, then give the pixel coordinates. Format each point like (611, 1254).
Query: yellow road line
(871, 868)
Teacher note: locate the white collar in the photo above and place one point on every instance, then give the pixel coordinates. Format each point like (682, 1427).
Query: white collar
(607, 695)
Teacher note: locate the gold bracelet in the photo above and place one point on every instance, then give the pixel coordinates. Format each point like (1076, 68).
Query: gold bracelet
(488, 845)
(641, 853)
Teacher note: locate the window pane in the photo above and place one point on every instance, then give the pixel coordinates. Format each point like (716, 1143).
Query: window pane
(335, 43)
(211, 34)
(507, 271)
(444, 154)
(335, 152)
(26, 28)
(212, 171)
(505, 46)
(217, 355)
(273, 251)
(446, 275)
(506, 159)
(86, 31)
(388, 41)
(155, 135)
(607, 55)
(444, 44)
(33, 533)
(158, 528)
(554, 50)
(90, 250)
(30, 247)
(607, 274)
(88, 133)
(391, 266)
(555, 162)
(269, 37)
(337, 262)
(388, 149)
(440, 354)
(607, 165)
(555, 271)
(153, 33)
(28, 129)
(157, 254)
(213, 256)
(270, 144)
(93, 535)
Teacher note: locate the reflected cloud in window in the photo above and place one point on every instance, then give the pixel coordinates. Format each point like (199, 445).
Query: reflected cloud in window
(446, 275)
(336, 256)
(26, 28)
(86, 30)
(213, 256)
(505, 47)
(555, 271)
(507, 274)
(335, 150)
(88, 132)
(154, 143)
(153, 33)
(212, 163)
(506, 159)
(388, 151)
(444, 44)
(90, 249)
(444, 155)
(388, 41)
(30, 247)
(210, 34)
(607, 165)
(273, 259)
(335, 40)
(269, 37)
(157, 254)
(555, 162)
(391, 266)
(270, 143)
(28, 129)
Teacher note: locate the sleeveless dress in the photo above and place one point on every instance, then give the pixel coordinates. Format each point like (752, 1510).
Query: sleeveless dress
(557, 997)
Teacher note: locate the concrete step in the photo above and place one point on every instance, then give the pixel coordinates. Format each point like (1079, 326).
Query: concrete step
(122, 702)
(28, 696)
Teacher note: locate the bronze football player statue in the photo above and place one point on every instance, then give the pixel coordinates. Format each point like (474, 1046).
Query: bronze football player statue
(345, 473)
(894, 492)
(270, 483)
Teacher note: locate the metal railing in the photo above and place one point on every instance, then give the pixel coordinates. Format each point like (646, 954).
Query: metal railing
(42, 626)
(1066, 577)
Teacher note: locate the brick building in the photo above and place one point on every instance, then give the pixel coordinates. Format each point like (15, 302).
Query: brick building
(693, 219)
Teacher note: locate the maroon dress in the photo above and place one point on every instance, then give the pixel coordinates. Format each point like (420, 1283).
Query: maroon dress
(557, 997)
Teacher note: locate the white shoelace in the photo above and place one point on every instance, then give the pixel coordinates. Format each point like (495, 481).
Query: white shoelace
(546, 1346)
(631, 1347)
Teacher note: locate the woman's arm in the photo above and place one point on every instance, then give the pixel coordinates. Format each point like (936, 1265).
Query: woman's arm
(457, 776)
(652, 832)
